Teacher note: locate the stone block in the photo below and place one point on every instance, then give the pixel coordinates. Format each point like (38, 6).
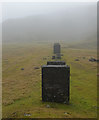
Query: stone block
(55, 83)
(56, 63)
(57, 48)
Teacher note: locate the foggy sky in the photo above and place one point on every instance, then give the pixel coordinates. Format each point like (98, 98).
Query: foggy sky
(19, 10)
(49, 21)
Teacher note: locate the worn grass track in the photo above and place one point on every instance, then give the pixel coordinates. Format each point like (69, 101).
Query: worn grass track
(22, 88)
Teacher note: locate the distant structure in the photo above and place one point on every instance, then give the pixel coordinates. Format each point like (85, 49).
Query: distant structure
(56, 79)
(57, 48)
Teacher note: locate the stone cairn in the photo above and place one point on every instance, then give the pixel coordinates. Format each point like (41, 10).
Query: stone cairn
(56, 80)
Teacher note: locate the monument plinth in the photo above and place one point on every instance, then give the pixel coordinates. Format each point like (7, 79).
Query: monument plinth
(56, 63)
(55, 82)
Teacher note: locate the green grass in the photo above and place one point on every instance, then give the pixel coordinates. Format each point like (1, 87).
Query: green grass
(21, 90)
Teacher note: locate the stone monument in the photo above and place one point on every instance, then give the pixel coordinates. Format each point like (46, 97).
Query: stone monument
(56, 82)
(57, 48)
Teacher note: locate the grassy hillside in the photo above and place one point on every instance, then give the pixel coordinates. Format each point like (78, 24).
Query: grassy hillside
(87, 44)
(22, 88)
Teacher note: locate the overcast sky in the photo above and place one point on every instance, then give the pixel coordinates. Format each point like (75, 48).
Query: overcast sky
(50, 21)
(17, 10)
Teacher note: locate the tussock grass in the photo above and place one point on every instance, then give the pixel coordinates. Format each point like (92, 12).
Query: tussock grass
(22, 88)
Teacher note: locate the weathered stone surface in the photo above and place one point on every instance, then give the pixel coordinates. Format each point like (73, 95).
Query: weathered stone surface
(56, 63)
(76, 59)
(97, 60)
(55, 83)
(92, 60)
(36, 67)
(57, 48)
(58, 56)
(22, 68)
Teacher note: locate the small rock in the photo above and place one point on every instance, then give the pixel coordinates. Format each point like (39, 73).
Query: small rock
(36, 68)
(76, 59)
(65, 113)
(22, 68)
(48, 106)
(27, 114)
(92, 60)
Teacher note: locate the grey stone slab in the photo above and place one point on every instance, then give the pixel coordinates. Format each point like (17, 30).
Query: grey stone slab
(55, 83)
(56, 63)
(57, 48)
(58, 56)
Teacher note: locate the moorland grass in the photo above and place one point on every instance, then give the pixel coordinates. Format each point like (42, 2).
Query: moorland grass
(21, 89)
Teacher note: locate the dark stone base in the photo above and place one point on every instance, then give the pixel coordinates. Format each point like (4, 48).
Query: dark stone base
(55, 83)
(58, 56)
